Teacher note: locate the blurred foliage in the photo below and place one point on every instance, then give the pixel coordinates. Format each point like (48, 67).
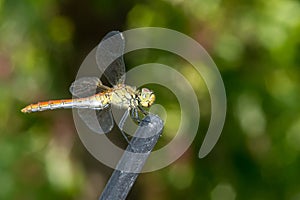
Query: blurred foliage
(256, 46)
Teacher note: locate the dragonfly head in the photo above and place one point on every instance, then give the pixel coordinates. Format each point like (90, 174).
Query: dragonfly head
(146, 97)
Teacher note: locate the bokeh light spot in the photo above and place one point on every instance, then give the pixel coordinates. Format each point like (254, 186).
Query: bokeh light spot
(223, 192)
(251, 116)
(61, 29)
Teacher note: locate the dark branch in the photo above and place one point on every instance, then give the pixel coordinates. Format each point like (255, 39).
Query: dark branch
(133, 159)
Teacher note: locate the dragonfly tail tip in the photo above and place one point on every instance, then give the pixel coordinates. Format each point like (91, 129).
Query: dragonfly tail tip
(24, 110)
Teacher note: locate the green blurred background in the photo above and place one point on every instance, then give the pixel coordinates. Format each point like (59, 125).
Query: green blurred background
(256, 46)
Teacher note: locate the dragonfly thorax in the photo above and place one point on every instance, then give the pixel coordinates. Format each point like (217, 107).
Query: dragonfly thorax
(125, 96)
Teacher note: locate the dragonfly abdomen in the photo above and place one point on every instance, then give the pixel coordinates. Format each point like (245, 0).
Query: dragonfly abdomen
(48, 105)
(98, 101)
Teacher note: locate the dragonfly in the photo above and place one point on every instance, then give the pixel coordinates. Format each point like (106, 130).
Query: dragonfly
(94, 99)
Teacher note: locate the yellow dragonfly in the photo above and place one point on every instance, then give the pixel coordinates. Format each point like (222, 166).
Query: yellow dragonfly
(93, 96)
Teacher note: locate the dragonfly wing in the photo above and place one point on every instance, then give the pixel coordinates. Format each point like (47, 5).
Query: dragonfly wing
(99, 121)
(109, 57)
(86, 86)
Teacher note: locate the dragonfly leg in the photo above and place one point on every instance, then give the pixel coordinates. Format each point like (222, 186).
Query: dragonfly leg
(125, 136)
(135, 115)
(144, 113)
(121, 124)
(123, 119)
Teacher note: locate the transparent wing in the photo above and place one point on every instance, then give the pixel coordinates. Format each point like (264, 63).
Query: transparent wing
(86, 86)
(99, 121)
(109, 57)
